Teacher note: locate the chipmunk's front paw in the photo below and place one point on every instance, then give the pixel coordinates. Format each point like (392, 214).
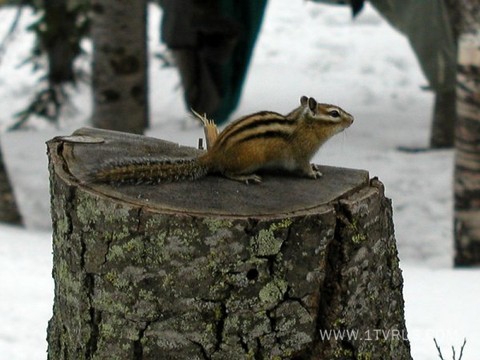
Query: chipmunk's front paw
(313, 171)
(316, 173)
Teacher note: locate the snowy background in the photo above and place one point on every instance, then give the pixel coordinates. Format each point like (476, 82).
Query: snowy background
(304, 49)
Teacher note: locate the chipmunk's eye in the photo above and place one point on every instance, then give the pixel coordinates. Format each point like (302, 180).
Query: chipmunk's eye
(334, 113)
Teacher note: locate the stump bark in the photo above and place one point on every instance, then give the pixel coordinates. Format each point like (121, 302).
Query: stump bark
(215, 269)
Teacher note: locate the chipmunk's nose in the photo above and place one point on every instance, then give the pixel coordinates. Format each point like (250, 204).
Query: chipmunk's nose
(350, 120)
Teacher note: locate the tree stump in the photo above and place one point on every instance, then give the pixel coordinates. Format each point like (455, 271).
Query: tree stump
(291, 268)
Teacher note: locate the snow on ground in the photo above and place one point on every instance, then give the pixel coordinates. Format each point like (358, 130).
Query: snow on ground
(26, 293)
(304, 49)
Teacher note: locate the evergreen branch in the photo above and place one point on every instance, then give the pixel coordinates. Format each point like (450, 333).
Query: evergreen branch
(47, 104)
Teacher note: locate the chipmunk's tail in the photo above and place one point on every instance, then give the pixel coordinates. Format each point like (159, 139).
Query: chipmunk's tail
(149, 171)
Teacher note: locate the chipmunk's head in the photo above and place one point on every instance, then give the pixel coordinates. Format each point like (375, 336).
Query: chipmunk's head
(330, 116)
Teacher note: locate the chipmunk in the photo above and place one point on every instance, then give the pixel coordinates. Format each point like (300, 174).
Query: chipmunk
(260, 141)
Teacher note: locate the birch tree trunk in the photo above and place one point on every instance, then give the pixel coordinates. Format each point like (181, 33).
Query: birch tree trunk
(467, 144)
(120, 65)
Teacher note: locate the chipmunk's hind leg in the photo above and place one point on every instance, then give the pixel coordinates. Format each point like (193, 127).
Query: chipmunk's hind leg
(247, 179)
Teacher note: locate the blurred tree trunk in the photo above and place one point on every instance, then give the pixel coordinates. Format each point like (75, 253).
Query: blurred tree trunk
(467, 141)
(57, 41)
(8, 207)
(442, 133)
(120, 65)
(443, 123)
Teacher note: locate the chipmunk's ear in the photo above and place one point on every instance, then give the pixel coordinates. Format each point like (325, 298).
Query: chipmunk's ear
(312, 104)
(303, 100)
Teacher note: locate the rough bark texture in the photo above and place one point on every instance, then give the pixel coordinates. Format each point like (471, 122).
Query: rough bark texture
(120, 65)
(467, 155)
(246, 272)
(9, 212)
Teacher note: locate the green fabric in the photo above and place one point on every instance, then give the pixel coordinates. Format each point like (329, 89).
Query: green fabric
(427, 27)
(212, 41)
(250, 14)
